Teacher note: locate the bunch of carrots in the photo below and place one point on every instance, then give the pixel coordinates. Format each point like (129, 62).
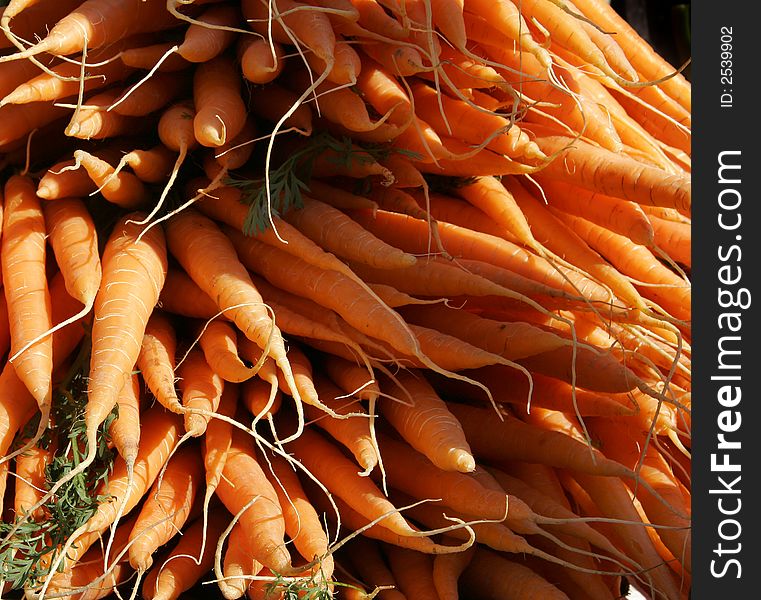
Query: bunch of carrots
(342, 298)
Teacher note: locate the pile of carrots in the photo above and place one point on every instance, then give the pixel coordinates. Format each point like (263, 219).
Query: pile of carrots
(342, 298)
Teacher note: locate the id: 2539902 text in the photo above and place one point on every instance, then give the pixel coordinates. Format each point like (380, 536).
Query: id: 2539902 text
(726, 67)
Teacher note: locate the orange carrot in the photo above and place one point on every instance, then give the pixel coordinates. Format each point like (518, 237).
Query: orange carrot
(220, 111)
(70, 183)
(219, 344)
(123, 189)
(413, 572)
(156, 360)
(166, 508)
(238, 565)
(125, 429)
(260, 61)
(151, 95)
(201, 390)
(182, 296)
(26, 288)
(180, 571)
(244, 480)
(206, 38)
(428, 425)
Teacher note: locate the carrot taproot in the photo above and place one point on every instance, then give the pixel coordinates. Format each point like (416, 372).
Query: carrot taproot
(94, 122)
(166, 508)
(201, 390)
(350, 426)
(218, 342)
(243, 480)
(661, 284)
(260, 398)
(210, 34)
(182, 296)
(383, 92)
(367, 561)
(675, 239)
(96, 23)
(187, 563)
(125, 429)
(153, 165)
(413, 572)
(337, 233)
(123, 189)
(220, 111)
(600, 170)
(62, 182)
(73, 237)
(274, 105)
(17, 120)
(374, 319)
(492, 575)
(339, 474)
(133, 274)
(30, 472)
(302, 522)
(428, 425)
(346, 64)
(150, 57)
(151, 95)
(238, 565)
(26, 288)
(156, 360)
(508, 20)
(200, 247)
(63, 83)
(261, 61)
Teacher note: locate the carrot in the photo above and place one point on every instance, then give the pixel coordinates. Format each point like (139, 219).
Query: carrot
(511, 340)
(447, 569)
(346, 66)
(123, 189)
(261, 399)
(150, 57)
(368, 315)
(125, 429)
(218, 342)
(367, 561)
(273, 104)
(201, 390)
(239, 565)
(599, 170)
(26, 289)
(30, 472)
(151, 95)
(73, 237)
(428, 425)
(5, 326)
(63, 83)
(350, 426)
(182, 296)
(634, 260)
(491, 573)
(59, 182)
(94, 122)
(508, 20)
(153, 165)
(339, 474)
(244, 480)
(302, 522)
(413, 572)
(17, 120)
(675, 239)
(96, 23)
(260, 61)
(180, 571)
(201, 248)
(207, 38)
(337, 233)
(156, 360)
(166, 508)
(220, 111)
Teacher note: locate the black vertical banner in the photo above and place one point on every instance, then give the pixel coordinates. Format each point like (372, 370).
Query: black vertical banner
(726, 449)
